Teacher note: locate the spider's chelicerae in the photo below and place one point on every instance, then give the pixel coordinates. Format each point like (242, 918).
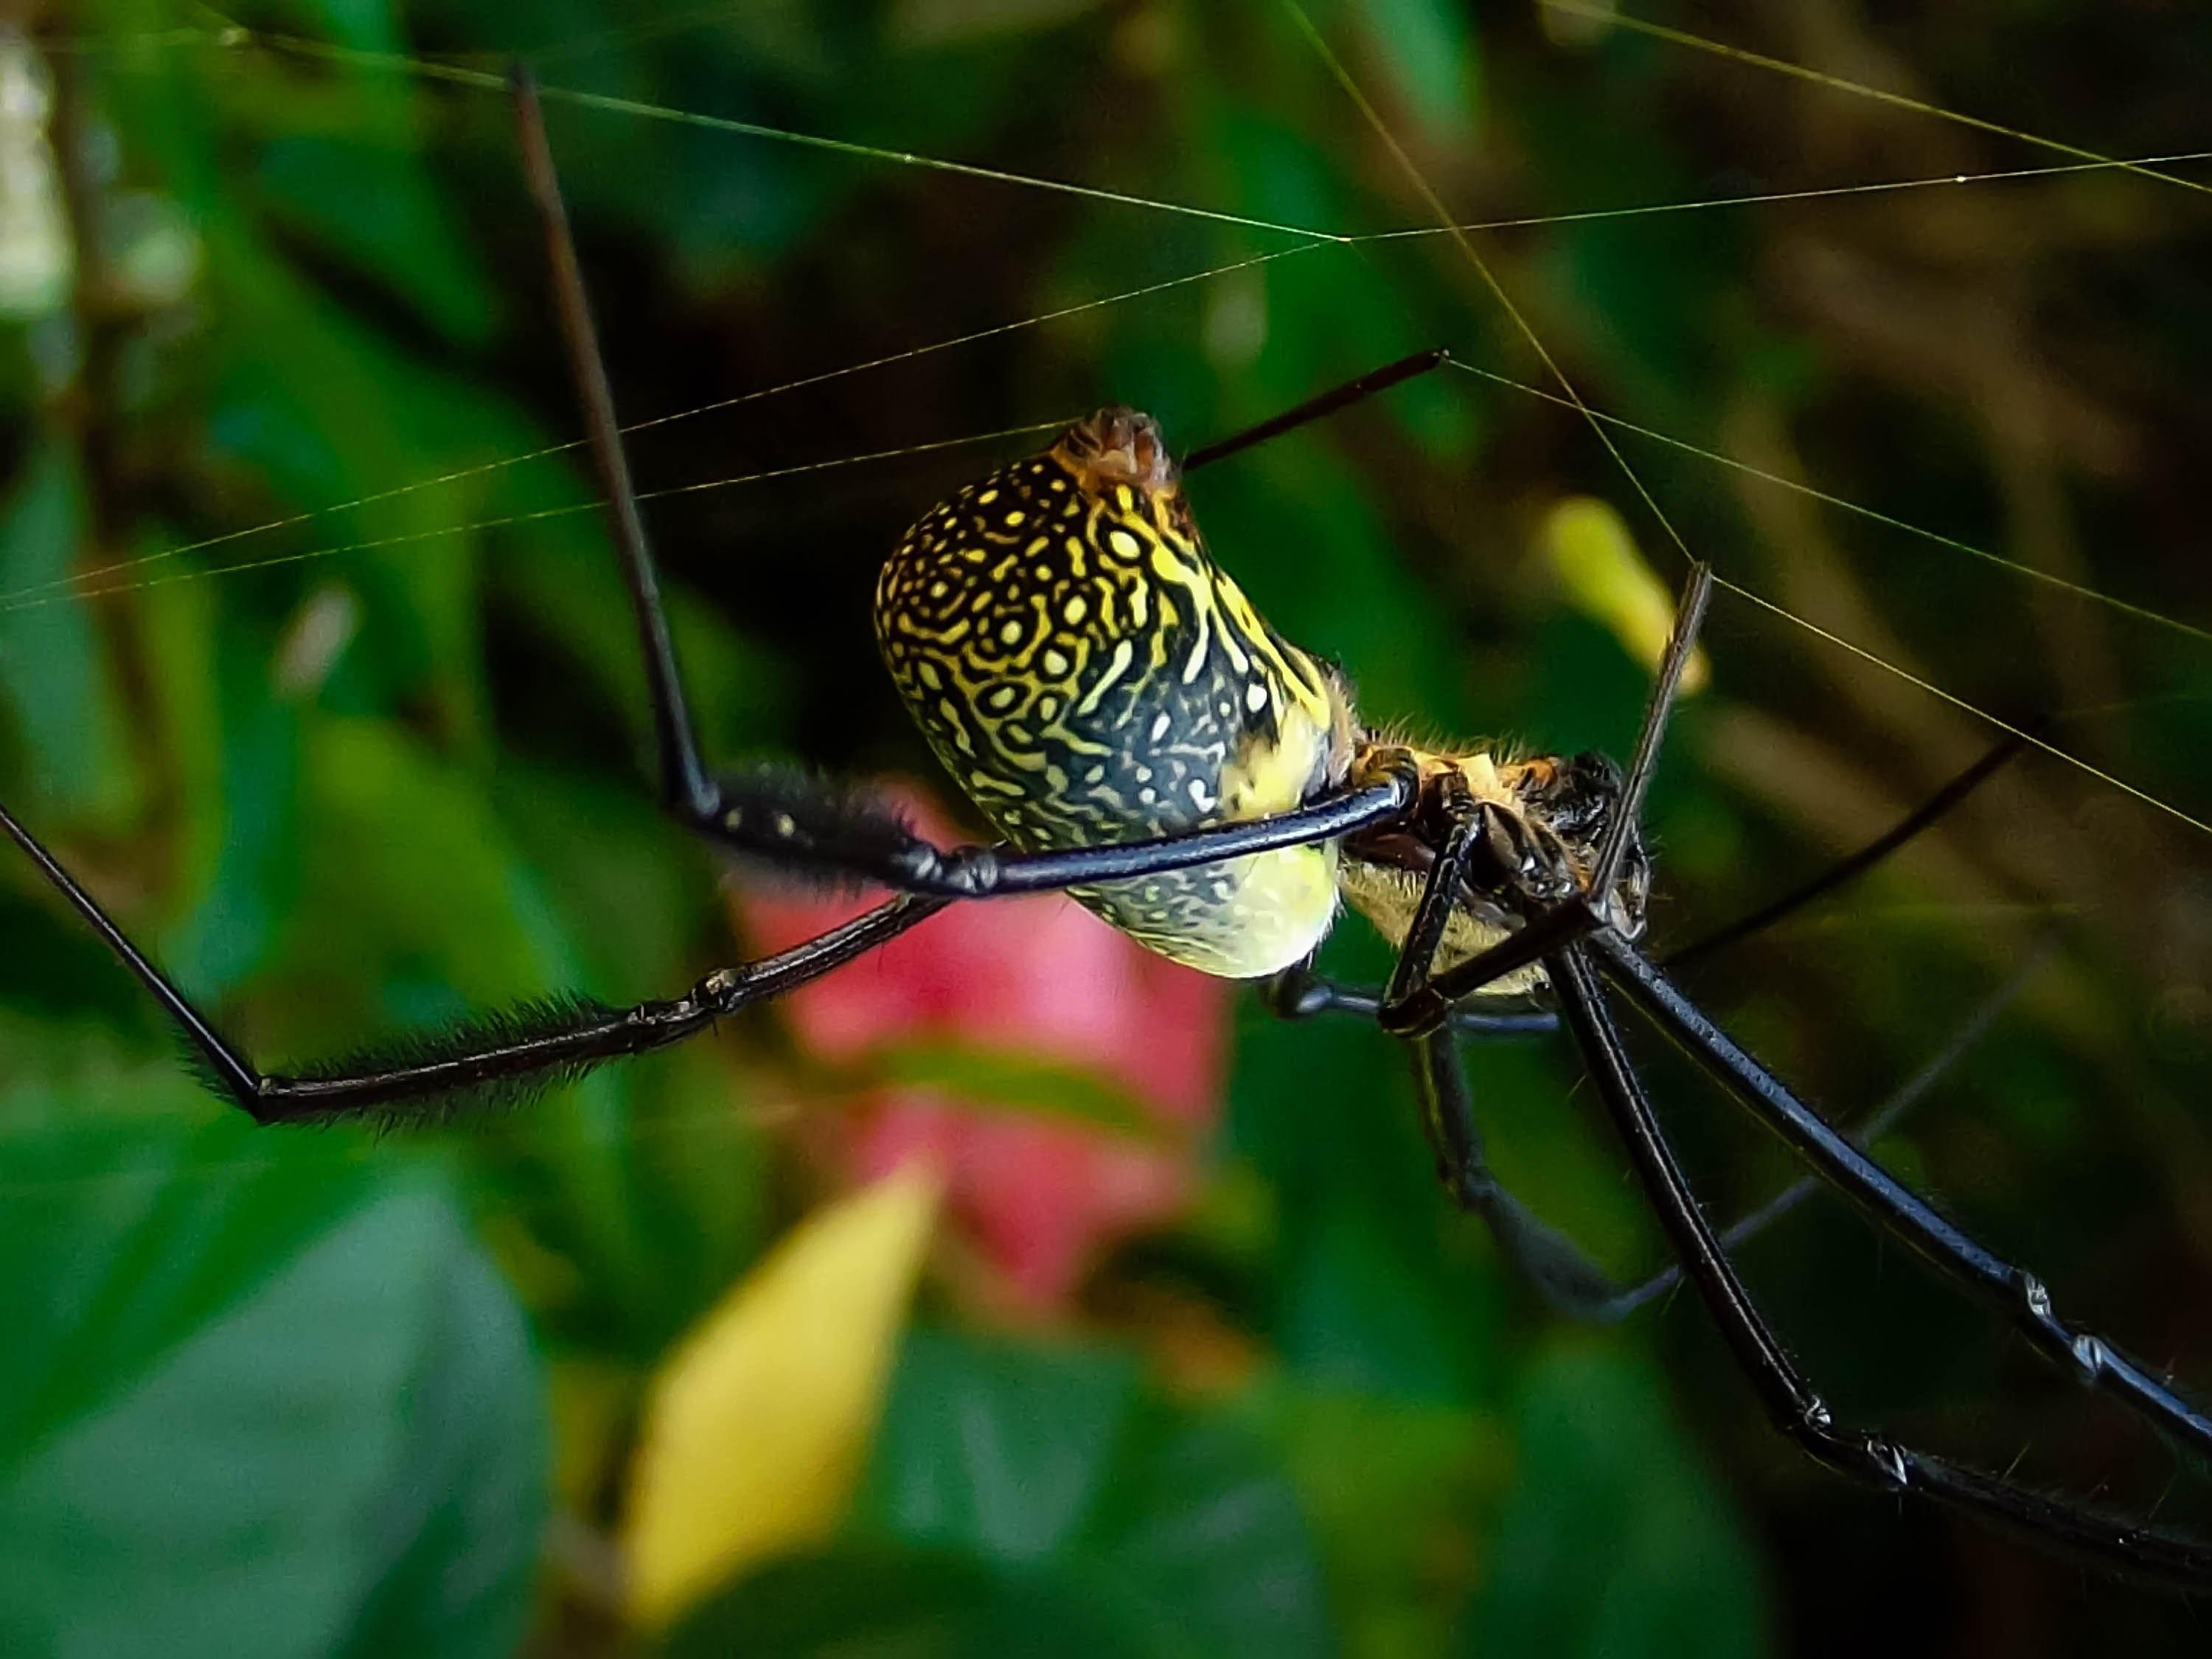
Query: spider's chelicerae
(1113, 704)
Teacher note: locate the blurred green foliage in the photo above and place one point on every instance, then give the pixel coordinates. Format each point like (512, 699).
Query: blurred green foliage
(269, 1393)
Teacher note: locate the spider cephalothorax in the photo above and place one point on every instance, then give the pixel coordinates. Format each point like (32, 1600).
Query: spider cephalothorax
(1541, 822)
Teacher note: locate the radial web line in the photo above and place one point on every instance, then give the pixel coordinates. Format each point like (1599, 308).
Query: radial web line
(424, 69)
(1958, 702)
(233, 35)
(536, 516)
(64, 587)
(1719, 458)
(1428, 194)
(1855, 88)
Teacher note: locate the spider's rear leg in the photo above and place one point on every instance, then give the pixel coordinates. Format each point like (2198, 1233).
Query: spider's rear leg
(2115, 1544)
(1549, 1262)
(1475, 833)
(2002, 1286)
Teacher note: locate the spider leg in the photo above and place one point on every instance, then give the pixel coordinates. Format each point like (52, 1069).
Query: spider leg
(792, 822)
(490, 1059)
(1319, 407)
(2011, 1291)
(1298, 993)
(1586, 1293)
(1857, 864)
(1879, 1122)
(1551, 1264)
(2116, 1545)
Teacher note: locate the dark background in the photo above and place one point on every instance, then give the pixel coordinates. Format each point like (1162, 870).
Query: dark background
(395, 772)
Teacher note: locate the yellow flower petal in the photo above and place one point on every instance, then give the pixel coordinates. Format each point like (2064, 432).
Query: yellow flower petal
(1606, 579)
(758, 1425)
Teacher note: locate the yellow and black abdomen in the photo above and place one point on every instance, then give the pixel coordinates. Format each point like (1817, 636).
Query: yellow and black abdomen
(1089, 675)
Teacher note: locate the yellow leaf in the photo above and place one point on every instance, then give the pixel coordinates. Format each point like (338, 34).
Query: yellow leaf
(757, 1427)
(1606, 579)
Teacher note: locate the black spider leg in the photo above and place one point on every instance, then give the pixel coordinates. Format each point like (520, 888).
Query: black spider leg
(1795, 1407)
(1877, 1123)
(2011, 1291)
(1546, 1259)
(552, 1041)
(1850, 869)
(1550, 1261)
(1319, 407)
(1429, 1005)
(1554, 1265)
(1417, 1005)
(1298, 993)
(786, 821)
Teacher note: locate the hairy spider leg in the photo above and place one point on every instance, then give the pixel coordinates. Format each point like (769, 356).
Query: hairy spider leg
(1848, 870)
(1877, 1123)
(1556, 1268)
(496, 1058)
(1546, 1259)
(1567, 938)
(502, 1056)
(1320, 407)
(2115, 1544)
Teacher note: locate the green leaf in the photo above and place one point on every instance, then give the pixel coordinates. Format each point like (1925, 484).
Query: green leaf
(51, 673)
(996, 1448)
(1615, 1542)
(373, 208)
(890, 1601)
(258, 1399)
(1053, 1466)
(1402, 1497)
(1022, 1083)
(1203, 1539)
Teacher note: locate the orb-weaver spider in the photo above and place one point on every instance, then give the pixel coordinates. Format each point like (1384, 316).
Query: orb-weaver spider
(1110, 701)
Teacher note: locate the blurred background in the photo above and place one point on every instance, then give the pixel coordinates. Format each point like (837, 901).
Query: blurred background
(314, 664)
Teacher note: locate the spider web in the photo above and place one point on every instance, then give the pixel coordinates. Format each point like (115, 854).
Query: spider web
(1508, 352)
(223, 38)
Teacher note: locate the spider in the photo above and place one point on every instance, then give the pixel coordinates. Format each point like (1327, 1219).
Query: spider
(1144, 741)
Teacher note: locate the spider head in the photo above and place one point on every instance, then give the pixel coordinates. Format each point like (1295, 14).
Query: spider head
(1577, 799)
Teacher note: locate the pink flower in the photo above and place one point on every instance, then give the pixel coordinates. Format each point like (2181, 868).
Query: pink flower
(1036, 977)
